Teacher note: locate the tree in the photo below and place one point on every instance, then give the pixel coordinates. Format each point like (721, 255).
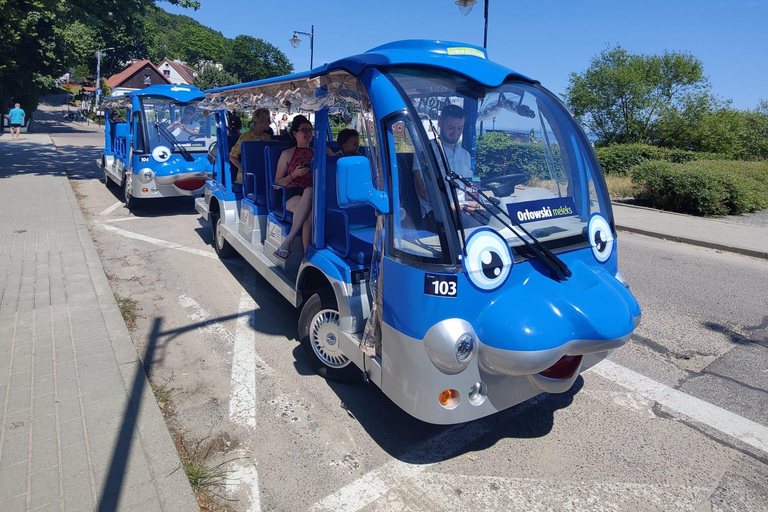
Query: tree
(50, 36)
(253, 59)
(621, 95)
(211, 76)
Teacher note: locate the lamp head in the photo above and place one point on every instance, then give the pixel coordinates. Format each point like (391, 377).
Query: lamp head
(465, 6)
(295, 41)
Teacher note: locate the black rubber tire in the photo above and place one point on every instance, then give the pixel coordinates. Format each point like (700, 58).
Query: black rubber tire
(316, 303)
(132, 203)
(105, 177)
(226, 250)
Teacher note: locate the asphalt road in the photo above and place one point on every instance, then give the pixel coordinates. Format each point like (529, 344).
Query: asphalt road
(623, 439)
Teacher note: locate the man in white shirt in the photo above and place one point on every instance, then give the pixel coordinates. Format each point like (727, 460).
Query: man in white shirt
(186, 127)
(451, 126)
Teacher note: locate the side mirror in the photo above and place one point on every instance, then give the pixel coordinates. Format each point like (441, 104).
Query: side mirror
(353, 184)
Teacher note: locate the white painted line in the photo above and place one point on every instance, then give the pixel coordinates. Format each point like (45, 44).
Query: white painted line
(440, 491)
(110, 209)
(728, 423)
(242, 397)
(375, 484)
(157, 241)
(123, 219)
(246, 476)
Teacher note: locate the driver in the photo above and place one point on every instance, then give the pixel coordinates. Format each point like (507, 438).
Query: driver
(451, 126)
(186, 127)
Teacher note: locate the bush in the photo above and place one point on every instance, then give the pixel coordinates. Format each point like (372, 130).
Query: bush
(620, 158)
(498, 155)
(713, 187)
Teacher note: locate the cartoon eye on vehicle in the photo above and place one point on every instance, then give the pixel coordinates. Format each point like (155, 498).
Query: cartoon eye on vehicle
(488, 260)
(600, 237)
(161, 154)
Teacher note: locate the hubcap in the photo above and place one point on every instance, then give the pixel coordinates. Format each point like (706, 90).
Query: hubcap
(219, 240)
(324, 336)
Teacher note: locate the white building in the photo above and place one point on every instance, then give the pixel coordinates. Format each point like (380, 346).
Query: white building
(177, 72)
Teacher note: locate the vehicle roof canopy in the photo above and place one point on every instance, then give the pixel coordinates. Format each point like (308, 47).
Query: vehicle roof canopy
(180, 93)
(329, 83)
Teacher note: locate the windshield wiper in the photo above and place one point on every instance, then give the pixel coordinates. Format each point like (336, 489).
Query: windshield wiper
(557, 267)
(173, 140)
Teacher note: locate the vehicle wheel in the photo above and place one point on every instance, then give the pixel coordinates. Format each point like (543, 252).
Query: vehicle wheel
(319, 337)
(130, 202)
(221, 246)
(105, 178)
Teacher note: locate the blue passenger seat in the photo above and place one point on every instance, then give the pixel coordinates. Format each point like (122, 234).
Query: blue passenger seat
(275, 195)
(348, 231)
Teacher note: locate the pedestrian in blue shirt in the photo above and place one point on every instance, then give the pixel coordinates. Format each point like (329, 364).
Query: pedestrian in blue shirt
(16, 115)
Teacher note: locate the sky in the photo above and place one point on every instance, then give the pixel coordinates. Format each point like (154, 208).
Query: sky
(543, 40)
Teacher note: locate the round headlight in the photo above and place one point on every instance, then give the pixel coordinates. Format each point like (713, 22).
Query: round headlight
(464, 348)
(146, 175)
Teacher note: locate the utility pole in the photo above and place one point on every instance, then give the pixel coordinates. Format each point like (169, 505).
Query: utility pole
(97, 92)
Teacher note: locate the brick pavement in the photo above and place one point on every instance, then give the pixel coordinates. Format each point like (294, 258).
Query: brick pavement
(80, 426)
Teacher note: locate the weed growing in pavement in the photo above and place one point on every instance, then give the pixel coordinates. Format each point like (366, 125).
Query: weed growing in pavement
(204, 476)
(128, 310)
(162, 394)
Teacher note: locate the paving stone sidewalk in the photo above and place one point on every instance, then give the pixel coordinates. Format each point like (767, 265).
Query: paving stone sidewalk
(80, 426)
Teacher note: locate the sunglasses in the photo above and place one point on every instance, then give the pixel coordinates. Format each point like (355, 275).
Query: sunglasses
(305, 131)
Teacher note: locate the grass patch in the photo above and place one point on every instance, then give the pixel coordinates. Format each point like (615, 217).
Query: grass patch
(162, 394)
(621, 187)
(127, 308)
(205, 477)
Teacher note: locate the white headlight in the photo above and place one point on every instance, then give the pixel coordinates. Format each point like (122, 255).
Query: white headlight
(464, 348)
(146, 175)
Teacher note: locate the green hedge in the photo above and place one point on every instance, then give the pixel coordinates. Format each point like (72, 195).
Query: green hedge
(713, 187)
(497, 155)
(620, 158)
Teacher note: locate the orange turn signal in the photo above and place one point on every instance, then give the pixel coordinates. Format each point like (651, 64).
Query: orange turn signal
(447, 397)
(144, 190)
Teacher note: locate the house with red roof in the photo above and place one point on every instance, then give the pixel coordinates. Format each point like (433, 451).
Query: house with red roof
(140, 74)
(177, 72)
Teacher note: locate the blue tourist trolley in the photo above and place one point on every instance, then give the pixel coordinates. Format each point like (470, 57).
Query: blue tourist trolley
(465, 260)
(156, 143)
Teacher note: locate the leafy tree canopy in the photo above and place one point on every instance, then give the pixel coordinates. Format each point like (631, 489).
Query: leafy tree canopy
(211, 76)
(253, 59)
(621, 95)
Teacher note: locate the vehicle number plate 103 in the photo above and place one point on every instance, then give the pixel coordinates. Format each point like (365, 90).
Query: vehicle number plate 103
(441, 285)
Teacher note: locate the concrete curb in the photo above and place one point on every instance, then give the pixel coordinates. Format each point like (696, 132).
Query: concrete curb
(693, 241)
(173, 488)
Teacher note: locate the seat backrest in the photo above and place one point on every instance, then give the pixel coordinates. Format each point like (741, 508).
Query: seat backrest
(271, 156)
(254, 170)
(359, 216)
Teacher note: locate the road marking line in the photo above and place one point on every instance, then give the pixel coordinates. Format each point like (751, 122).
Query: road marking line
(246, 475)
(242, 397)
(533, 494)
(375, 484)
(731, 424)
(161, 243)
(123, 219)
(110, 209)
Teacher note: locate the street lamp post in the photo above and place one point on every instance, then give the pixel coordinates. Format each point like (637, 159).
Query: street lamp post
(465, 7)
(295, 40)
(99, 55)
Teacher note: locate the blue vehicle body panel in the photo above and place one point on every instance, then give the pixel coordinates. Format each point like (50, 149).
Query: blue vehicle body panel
(531, 312)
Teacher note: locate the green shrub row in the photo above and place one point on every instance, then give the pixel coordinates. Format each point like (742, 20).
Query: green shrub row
(620, 158)
(714, 187)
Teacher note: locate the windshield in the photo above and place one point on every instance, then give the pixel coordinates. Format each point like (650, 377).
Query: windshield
(515, 144)
(173, 124)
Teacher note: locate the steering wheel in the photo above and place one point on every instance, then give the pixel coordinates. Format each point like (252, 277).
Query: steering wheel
(504, 185)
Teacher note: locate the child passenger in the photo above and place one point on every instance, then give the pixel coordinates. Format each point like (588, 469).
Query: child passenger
(294, 172)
